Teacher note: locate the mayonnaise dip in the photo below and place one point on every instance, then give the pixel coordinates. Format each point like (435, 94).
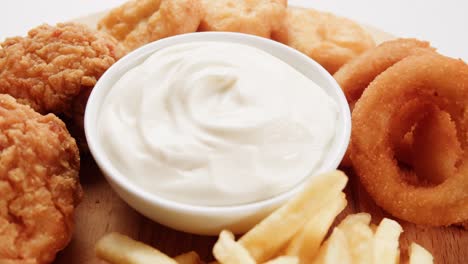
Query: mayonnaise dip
(215, 123)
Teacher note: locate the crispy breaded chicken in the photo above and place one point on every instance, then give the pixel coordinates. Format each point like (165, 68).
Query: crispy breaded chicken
(39, 187)
(48, 68)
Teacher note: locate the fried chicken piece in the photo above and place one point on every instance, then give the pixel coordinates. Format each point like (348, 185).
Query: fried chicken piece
(39, 165)
(330, 40)
(256, 17)
(139, 22)
(48, 68)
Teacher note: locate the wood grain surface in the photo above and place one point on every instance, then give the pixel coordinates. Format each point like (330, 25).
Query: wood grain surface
(102, 211)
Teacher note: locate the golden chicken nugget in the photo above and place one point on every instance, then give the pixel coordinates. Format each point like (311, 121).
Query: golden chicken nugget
(53, 64)
(256, 17)
(39, 188)
(138, 22)
(330, 40)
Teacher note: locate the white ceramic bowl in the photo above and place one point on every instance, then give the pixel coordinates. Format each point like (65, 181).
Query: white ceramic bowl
(209, 220)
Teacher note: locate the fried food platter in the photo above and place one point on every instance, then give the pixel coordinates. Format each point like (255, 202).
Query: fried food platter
(102, 211)
(196, 133)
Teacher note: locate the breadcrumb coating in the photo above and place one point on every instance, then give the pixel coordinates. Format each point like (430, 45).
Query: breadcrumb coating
(39, 187)
(49, 67)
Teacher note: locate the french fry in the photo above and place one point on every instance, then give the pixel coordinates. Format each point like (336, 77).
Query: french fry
(284, 260)
(266, 239)
(119, 249)
(188, 258)
(419, 255)
(294, 232)
(334, 250)
(359, 236)
(228, 251)
(306, 243)
(386, 243)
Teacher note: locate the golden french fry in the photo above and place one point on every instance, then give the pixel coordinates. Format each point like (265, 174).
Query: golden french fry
(359, 236)
(269, 236)
(228, 251)
(119, 249)
(386, 243)
(334, 250)
(419, 255)
(306, 243)
(188, 258)
(284, 260)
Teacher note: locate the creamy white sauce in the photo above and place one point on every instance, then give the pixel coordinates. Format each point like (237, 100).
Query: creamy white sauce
(213, 123)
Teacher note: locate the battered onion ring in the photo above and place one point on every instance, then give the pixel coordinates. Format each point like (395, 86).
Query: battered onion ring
(404, 123)
(435, 149)
(441, 81)
(425, 140)
(355, 76)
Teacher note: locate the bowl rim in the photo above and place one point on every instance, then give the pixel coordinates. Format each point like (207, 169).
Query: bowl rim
(128, 61)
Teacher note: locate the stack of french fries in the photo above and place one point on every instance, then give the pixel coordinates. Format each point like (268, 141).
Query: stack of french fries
(296, 233)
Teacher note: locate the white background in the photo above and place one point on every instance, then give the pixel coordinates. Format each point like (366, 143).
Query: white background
(444, 23)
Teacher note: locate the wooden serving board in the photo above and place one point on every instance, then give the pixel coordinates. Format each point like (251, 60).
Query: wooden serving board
(102, 211)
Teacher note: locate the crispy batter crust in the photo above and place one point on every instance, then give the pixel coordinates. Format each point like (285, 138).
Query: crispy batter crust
(256, 17)
(436, 149)
(39, 164)
(139, 22)
(330, 40)
(425, 142)
(357, 74)
(120, 21)
(435, 79)
(50, 66)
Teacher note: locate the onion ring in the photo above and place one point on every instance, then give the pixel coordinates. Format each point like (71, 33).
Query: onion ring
(425, 141)
(435, 149)
(404, 123)
(355, 76)
(438, 80)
